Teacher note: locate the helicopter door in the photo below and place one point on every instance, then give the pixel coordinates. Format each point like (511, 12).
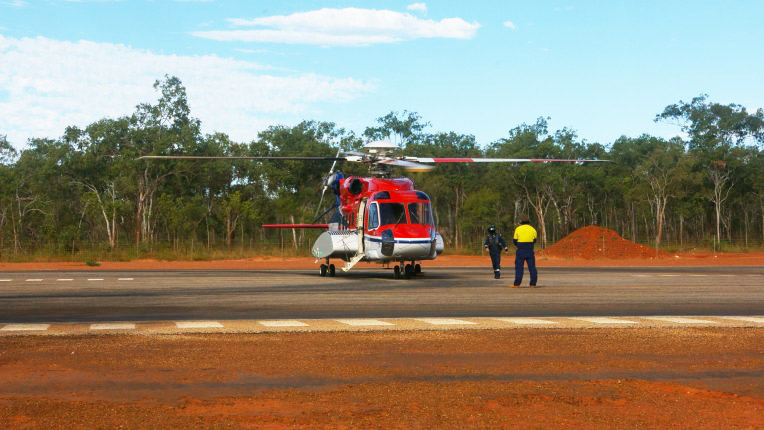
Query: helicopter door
(360, 221)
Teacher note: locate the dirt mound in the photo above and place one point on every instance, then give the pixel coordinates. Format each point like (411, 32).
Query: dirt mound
(593, 242)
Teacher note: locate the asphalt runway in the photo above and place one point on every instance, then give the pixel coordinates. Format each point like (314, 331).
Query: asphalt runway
(85, 296)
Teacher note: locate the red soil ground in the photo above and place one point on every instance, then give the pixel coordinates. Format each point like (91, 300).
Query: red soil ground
(695, 378)
(269, 263)
(593, 242)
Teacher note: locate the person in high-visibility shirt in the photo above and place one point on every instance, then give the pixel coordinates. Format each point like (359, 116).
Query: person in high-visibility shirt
(524, 238)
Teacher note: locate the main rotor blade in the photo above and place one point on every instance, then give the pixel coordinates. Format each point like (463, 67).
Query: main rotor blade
(205, 157)
(500, 160)
(408, 165)
(326, 185)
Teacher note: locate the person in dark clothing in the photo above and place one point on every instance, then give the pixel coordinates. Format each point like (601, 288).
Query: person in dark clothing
(494, 243)
(524, 238)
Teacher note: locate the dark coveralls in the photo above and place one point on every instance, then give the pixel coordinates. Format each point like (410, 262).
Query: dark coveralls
(525, 253)
(495, 243)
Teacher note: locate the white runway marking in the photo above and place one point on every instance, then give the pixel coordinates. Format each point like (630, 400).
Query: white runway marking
(25, 327)
(443, 321)
(6, 280)
(283, 323)
(759, 320)
(124, 279)
(361, 322)
(64, 279)
(95, 279)
(525, 321)
(198, 324)
(669, 276)
(604, 320)
(680, 320)
(113, 326)
(34, 280)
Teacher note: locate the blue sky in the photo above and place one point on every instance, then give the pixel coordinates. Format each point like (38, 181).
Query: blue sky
(603, 68)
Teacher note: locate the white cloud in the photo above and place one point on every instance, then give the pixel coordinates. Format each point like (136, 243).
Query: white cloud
(342, 27)
(16, 3)
(510, 25)
(48, 84)
(417, 7)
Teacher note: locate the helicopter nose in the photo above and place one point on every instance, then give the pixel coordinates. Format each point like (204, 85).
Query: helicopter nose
(412, 231)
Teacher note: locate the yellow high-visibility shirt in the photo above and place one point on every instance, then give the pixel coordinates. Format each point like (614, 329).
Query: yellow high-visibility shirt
(525, 233)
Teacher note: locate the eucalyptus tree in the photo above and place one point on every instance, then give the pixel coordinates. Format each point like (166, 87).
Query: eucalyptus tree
(714, 130)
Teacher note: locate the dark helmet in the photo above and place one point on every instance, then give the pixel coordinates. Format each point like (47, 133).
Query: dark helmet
(492, 229)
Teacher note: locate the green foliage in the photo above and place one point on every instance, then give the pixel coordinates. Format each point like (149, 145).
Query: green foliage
(86, 197)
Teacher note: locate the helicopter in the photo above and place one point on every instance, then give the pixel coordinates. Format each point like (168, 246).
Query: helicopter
(377, 218)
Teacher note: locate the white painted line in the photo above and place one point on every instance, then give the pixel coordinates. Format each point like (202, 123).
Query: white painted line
(113, 326)
(525, 321)
(443, 321)
(34, 280)
(699, 276)
(95, 279)
(604, 320)
(64, 279)
(198, 324)
(124, 279)
(759, 320)
(641, 276)
(680, 320)
(669, 276)
(6, 280)
(283, 323)
(25, 327)
(361, 322)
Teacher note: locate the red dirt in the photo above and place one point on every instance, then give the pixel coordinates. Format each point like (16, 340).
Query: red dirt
(594, 242)
(702, 258)
(700, 378)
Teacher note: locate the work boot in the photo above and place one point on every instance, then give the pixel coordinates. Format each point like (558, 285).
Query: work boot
(515, 286)
(496, 275)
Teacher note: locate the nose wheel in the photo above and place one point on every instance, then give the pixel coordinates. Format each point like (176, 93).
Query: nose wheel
(327, 270)
(406, 270)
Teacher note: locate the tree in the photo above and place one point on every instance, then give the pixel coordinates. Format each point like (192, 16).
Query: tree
(661, 171)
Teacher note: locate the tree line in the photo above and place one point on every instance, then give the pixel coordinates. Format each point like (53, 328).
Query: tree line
(87, 191)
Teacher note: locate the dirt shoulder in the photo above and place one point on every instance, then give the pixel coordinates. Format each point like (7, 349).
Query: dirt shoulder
(270, 263)
(703, 378)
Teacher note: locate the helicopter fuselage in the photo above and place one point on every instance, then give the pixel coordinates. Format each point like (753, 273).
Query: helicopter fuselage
(383, 220)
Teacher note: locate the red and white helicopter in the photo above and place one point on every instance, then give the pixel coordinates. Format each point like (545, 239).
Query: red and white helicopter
(379, 218)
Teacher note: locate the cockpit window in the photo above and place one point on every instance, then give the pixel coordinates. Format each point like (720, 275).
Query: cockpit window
(373, 216)
(392, 213)
(420, 213)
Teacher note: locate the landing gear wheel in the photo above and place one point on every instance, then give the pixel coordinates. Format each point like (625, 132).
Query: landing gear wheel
(322, 270)
(397, 272)
(332, 270)
(417, 269)
(408, 270)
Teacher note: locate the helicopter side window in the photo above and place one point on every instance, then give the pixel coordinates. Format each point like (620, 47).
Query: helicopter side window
(373, 217)
(420, 213)
(392, 213)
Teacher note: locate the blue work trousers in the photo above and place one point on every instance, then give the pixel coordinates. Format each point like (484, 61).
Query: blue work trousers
(521, 256)
(496, 260)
